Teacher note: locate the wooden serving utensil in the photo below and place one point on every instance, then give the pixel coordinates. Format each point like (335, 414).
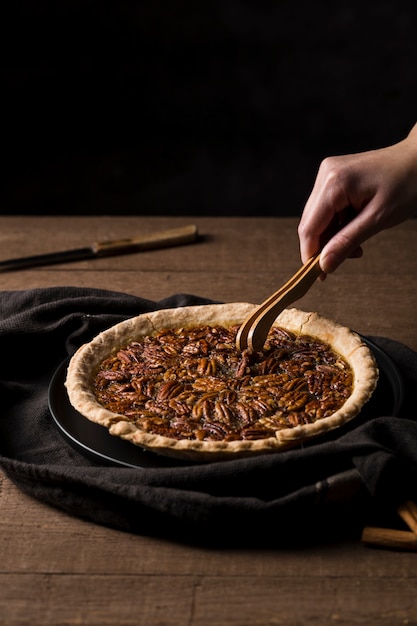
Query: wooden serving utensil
(254, 330)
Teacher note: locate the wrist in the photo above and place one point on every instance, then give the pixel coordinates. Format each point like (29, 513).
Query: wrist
(412, 135)
(407, 152)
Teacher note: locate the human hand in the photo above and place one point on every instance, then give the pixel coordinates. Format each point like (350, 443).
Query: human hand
(378, 187)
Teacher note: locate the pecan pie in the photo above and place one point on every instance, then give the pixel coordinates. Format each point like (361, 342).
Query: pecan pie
(173, 381)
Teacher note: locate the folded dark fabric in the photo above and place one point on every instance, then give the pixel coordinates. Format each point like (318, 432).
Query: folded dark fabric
(328, 488)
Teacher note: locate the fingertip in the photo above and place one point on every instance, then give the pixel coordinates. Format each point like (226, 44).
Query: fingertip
(307, 250)
(329, 262)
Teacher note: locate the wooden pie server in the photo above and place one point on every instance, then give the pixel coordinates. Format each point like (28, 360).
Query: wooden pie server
(254, 330)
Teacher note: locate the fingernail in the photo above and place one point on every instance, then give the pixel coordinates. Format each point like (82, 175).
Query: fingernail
(330, 262)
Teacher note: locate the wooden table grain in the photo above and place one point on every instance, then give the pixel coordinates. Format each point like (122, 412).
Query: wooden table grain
(59, 570)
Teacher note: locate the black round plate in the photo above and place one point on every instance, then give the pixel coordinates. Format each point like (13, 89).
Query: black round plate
(95, 442)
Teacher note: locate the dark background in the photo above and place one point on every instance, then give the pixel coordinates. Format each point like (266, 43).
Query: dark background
(186, 107)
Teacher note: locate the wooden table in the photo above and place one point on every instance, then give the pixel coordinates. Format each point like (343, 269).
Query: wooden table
(56, 570)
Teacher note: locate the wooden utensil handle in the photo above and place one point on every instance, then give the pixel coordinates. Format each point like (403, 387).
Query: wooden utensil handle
(161, 239)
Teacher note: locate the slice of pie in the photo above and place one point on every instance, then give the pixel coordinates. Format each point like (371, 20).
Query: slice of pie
(173, 381)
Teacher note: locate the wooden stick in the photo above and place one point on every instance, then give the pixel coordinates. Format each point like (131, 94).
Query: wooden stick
(389, 538)
(408, 512)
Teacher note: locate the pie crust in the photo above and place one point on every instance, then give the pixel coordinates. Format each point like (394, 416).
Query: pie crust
(84, 365)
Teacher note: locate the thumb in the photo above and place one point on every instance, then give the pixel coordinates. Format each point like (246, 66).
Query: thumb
(346, 243)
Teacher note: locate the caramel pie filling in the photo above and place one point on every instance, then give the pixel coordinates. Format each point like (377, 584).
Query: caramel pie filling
(193, 383)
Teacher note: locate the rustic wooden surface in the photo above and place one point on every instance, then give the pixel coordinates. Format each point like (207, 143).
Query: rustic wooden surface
(58, 570)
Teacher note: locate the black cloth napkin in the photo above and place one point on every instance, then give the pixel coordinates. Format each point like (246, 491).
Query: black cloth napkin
(326, 489)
